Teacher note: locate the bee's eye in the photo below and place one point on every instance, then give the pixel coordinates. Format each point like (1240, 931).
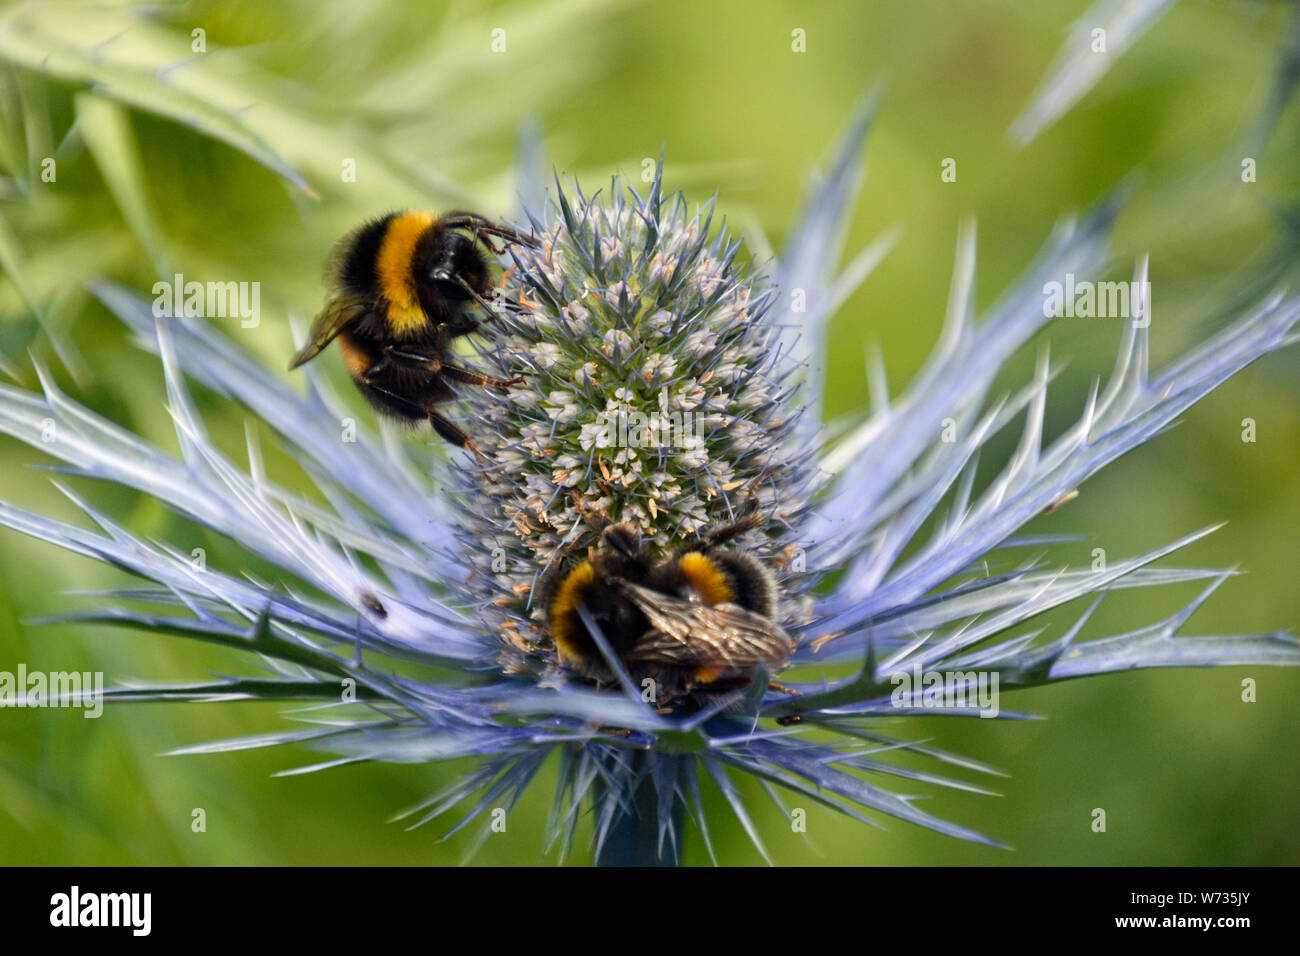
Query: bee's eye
(447, 264)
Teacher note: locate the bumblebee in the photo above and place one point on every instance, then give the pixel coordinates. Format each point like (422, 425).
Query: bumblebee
(700, 619)
(402, 289)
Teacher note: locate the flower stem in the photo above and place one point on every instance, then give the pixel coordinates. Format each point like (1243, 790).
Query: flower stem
(633, 838)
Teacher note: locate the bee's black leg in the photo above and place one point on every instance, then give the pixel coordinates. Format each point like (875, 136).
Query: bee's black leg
(392, 357)
(477, 224)
(430, 363)
(496, 250)
(748, 519)
(462, 323)
(370, 374)
(417, 409)
(471, 377)
(449, 431)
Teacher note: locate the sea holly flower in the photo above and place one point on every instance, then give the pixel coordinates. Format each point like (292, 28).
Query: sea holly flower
(669, 385)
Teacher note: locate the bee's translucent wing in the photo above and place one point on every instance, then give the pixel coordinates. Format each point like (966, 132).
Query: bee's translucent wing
(332, 320)
(720, 635)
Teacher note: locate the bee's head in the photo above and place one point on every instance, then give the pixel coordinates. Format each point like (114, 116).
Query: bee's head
(623, 539)
(454, 258)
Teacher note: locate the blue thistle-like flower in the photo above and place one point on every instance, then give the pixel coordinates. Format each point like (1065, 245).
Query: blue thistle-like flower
(630, 303)
(655, 392)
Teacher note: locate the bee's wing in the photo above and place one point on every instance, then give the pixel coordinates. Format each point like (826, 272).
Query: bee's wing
(332, 320)
(719, 635)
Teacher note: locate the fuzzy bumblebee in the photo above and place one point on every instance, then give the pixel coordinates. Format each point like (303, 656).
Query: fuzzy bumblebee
(698, 619)
(403, 288)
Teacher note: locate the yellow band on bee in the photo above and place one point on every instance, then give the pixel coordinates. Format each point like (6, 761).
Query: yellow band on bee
(564, 609)
(396, 277)
(705, 577)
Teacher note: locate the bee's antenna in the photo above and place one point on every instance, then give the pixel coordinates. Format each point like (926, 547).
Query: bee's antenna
(489, 307)
(489, 312)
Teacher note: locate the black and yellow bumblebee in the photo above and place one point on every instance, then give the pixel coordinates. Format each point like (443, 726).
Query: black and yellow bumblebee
(699, 619)
(403, 287)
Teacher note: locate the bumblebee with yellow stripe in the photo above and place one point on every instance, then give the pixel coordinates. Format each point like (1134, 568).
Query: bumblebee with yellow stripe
(698, 620)
(403, 287)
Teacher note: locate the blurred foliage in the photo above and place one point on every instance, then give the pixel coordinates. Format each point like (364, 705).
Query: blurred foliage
(227, 164)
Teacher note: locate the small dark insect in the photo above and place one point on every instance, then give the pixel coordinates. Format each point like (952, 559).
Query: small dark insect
(373, 604)
(698, 619)
(402, 289)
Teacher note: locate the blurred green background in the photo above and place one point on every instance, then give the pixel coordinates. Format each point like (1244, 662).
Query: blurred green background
(226, 164)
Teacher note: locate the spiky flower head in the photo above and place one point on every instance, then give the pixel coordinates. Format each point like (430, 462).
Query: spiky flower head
(654, 393)
(636, 303)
